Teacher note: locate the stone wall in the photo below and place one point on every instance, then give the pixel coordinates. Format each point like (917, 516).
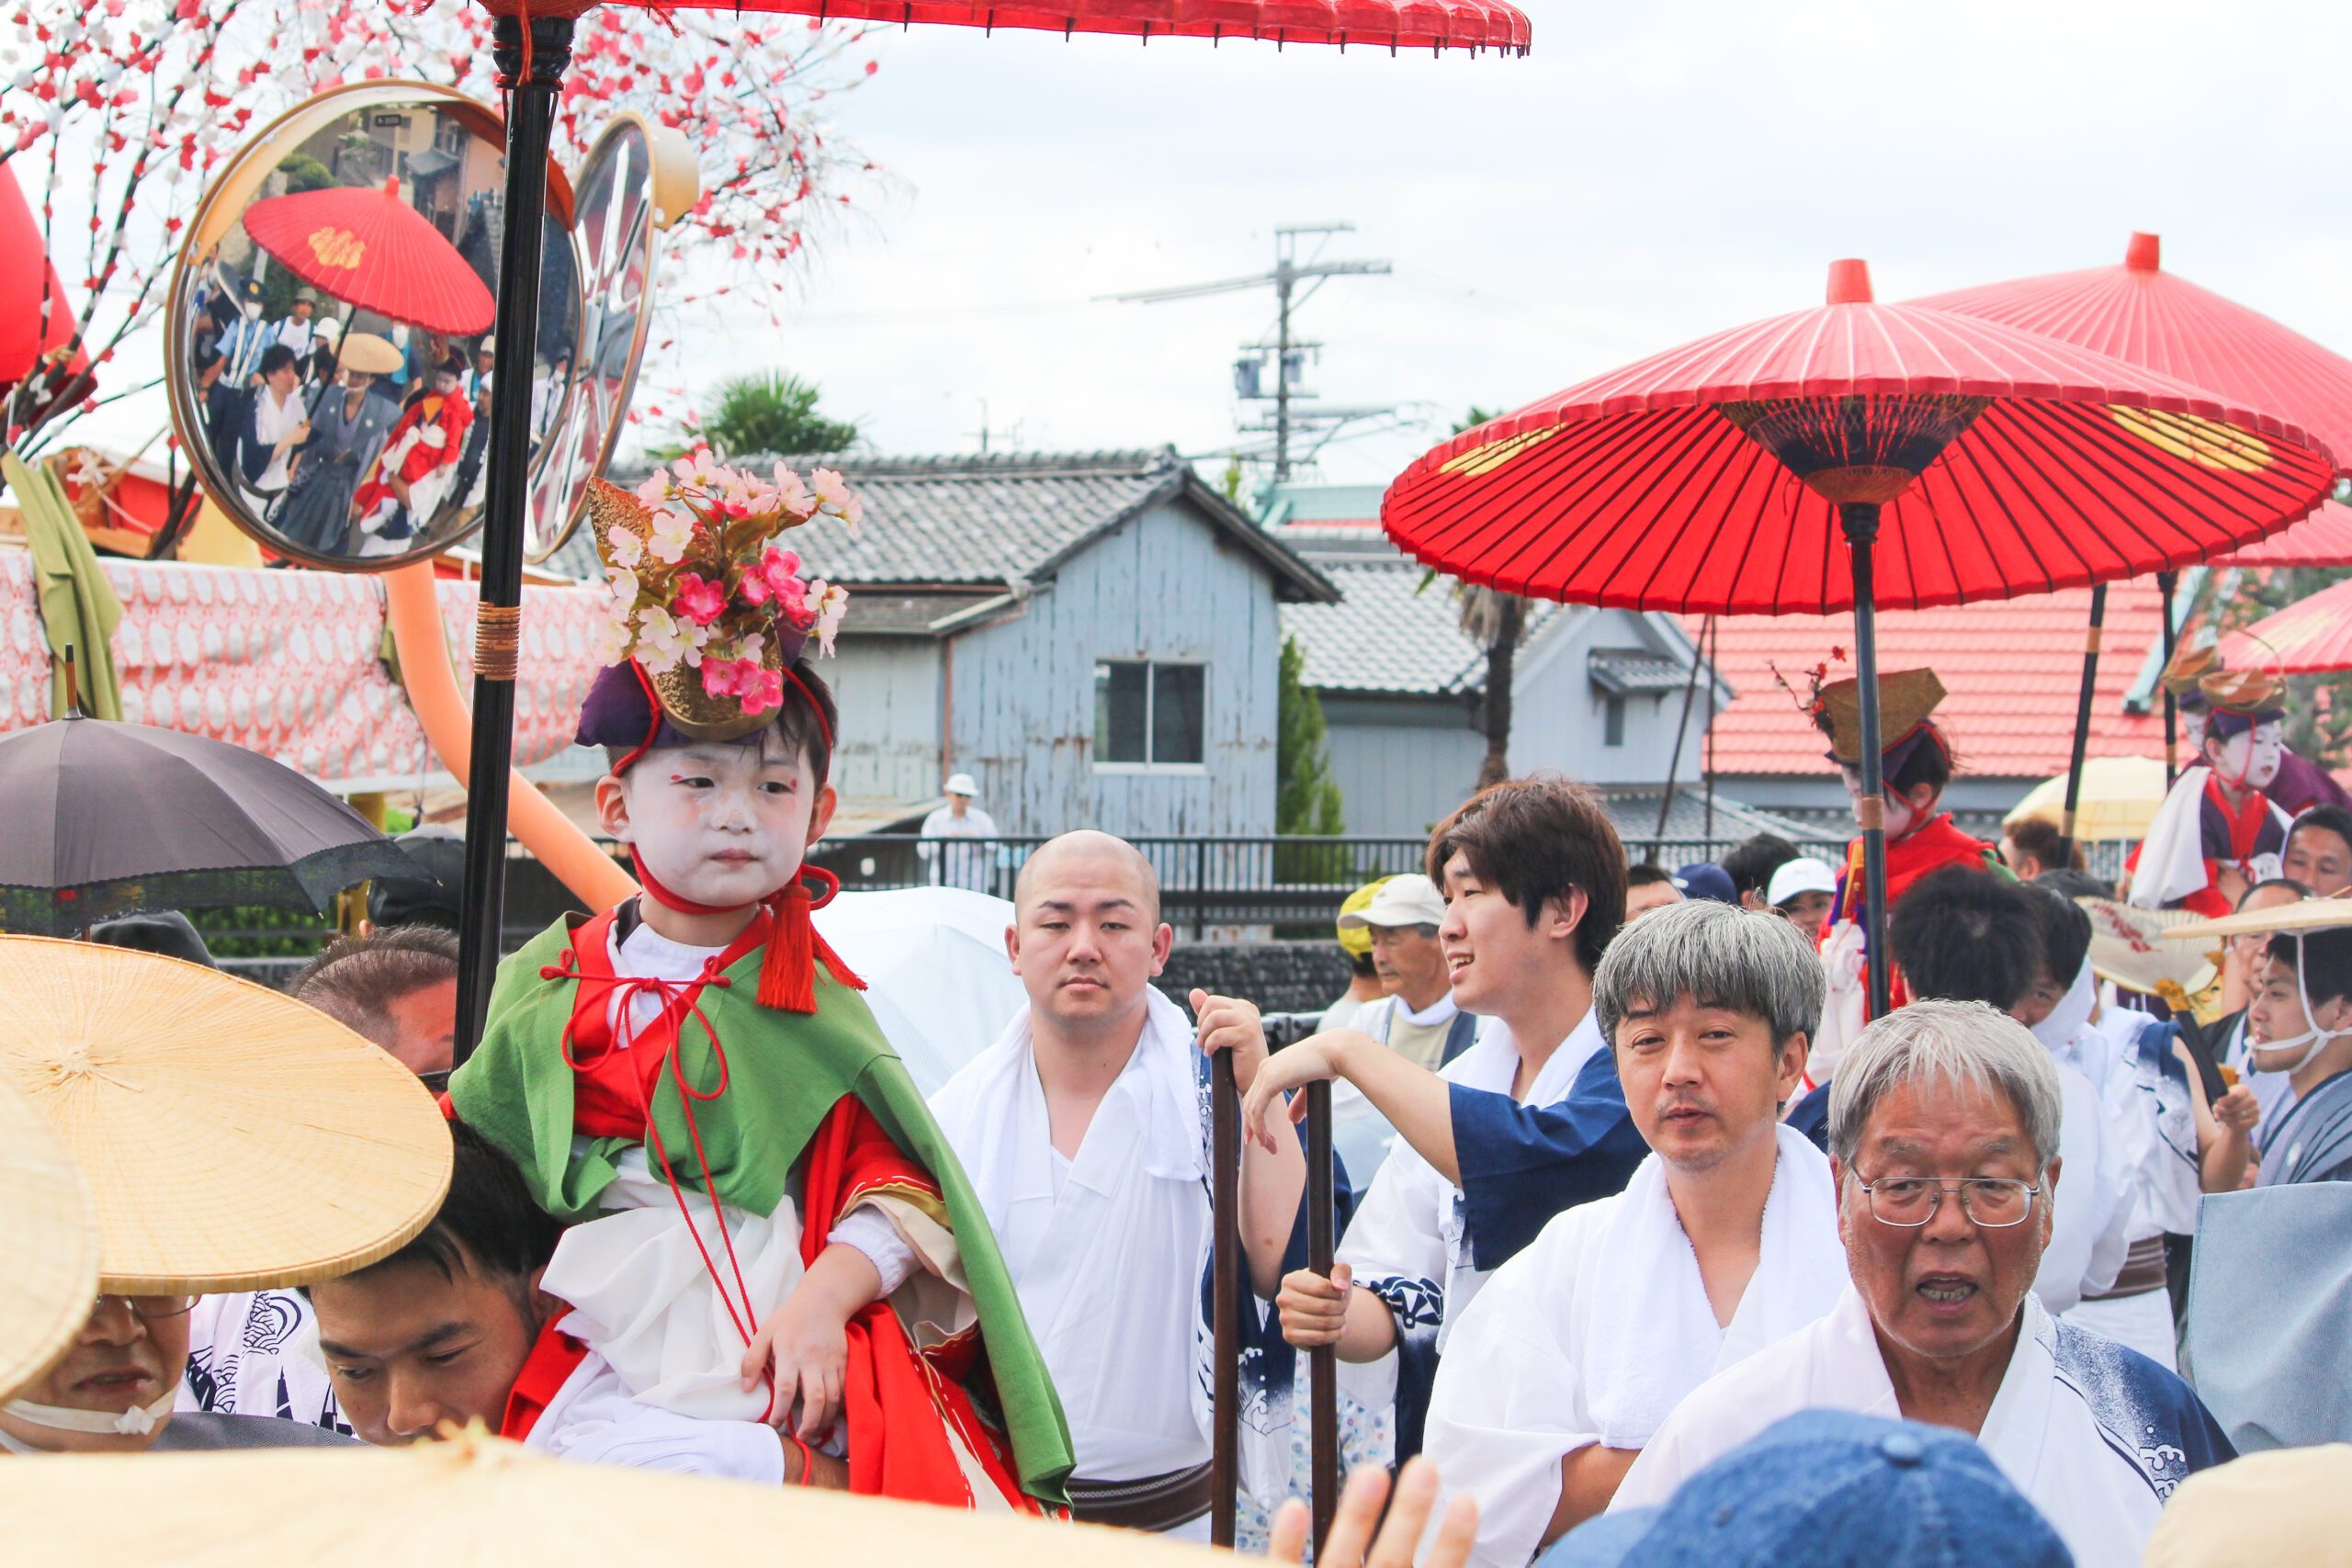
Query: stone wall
(1280, 976)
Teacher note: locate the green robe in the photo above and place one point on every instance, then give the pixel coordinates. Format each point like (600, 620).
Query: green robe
(517, 1092)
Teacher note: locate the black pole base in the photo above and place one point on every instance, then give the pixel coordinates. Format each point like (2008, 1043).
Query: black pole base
(1859, 519)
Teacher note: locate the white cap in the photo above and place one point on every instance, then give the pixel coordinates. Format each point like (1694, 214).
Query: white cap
(1411, 899)
(1804, 874)
(961, 783)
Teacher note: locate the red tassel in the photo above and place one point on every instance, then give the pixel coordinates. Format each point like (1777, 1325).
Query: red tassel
(789, 970)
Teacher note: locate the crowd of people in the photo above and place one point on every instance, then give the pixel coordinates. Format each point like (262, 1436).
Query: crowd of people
(1652, 1240)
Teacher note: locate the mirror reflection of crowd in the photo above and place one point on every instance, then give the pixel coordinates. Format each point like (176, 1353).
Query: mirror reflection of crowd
(345, 442)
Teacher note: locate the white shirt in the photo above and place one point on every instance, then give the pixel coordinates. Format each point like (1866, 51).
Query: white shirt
(593, 1420)
(2092, 1206)
(974, 824)
(2096, 1437)
(1105, 1250)
(1408, 1240)
(970, 866)
(1601, 1327)
(1359, 1132)
(256, 1353)
(300, 336)
(274, 421)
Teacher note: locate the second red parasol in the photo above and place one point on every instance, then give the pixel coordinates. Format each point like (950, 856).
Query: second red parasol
(1959, 459)
(369, 248)
(2310, 637)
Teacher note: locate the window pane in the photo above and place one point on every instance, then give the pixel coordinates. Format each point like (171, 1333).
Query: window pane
(1612, 723)
(1176, 726)
(1119, 729)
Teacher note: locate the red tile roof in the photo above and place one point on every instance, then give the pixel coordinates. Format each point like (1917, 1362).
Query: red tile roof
(2012, 670)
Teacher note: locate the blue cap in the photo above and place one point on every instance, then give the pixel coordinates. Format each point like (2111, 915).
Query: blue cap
(1830, 1489)
(1705, 879)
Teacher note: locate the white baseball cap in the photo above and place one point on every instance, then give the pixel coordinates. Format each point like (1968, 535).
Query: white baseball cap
(961, 783)
(1804, 874)
(1411, 899)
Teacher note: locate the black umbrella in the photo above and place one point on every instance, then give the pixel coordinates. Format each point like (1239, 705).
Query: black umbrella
(106, 819)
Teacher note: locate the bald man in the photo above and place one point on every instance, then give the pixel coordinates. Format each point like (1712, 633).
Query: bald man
(1083, 1131)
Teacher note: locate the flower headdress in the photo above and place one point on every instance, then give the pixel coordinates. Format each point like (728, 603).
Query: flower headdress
(703, 599)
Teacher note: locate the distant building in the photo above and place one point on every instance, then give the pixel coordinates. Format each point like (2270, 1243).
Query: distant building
(1093, 636)
(1598, 694)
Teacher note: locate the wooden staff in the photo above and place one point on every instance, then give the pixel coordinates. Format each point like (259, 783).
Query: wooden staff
(1225, 1460)
(1323, 1433)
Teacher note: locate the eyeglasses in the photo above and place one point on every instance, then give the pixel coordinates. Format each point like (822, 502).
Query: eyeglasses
(149, 1309)
(1912, 1201)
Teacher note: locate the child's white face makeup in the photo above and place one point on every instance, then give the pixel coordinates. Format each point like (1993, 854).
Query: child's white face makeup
(718, 823)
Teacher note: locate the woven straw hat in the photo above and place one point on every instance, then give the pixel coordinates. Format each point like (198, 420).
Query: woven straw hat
(1905, 698)
(2310, 914)
(478, 1499)
(368, 353)
(232, 1138)
(48, 1234)
(2128, 947)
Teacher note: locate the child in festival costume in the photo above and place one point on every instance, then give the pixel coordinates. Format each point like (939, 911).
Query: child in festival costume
(2218, 833)
(1914, 764)
(772, 1229)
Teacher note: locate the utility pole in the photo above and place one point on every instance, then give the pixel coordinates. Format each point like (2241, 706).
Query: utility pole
(1288, 272)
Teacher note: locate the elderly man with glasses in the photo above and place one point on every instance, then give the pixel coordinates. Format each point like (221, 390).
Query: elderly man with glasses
(1943, 1128)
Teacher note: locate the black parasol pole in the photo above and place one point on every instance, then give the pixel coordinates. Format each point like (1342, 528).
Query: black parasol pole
(2082, 724)
(1323, 1369)
(1859, 519)
(1224, 1439)
(533, 76)
(2168, 583)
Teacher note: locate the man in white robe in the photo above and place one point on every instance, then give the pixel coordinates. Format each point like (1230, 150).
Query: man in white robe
(1943, 1136)
(1529, 1122)
(1418, 1018)
(1083, 1133)
(1724, 1241)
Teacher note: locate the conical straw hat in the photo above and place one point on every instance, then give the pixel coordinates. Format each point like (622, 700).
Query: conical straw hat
(478, 1500)
(48, 1235)
(2310, 914)
(2127, 947)
(232, 1138)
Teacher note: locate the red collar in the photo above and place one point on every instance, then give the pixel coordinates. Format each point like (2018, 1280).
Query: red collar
(554, 1357)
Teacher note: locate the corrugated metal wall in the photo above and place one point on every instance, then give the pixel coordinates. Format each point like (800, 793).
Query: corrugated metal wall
(889, 692)
(1161, 586)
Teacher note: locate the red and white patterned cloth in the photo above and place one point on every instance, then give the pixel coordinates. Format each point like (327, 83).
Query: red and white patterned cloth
(289, 663)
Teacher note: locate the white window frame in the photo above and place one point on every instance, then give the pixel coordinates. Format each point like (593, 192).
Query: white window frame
(1150, 695)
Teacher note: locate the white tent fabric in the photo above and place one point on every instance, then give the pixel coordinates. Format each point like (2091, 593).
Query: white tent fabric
(936, 975)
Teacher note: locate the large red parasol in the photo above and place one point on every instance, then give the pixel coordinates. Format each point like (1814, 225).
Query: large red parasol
(1959, 459)
(30, 276)
(2310, 637)
(1435, 24)
(2325, 539)
(2143, 314)
(367, 247)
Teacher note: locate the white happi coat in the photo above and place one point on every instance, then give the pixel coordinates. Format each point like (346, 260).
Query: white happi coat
(1107, 1253)
(2096, 1435)
(1408, 1243)
(1596, 1330)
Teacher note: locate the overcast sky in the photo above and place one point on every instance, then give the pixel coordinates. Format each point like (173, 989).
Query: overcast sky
(1651, 172)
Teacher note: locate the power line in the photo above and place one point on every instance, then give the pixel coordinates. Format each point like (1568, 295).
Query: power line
(1289, 354)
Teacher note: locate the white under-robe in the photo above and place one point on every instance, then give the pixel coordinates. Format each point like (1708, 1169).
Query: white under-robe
(1601, 1327)
(2096, 1435)
(1408, 1240)
(1108, 1271)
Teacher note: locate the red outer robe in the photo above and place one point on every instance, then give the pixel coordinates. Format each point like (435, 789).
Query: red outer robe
(1926, 849)
(453, 413)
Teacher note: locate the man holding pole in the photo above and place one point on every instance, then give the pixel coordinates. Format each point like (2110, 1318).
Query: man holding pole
(1083, 1133)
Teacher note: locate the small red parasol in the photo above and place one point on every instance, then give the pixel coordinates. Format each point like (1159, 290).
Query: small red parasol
(1960, 459)
(369, 248)
(2310, 637)
(2325, 539)
(30, 275)
(1434, 24)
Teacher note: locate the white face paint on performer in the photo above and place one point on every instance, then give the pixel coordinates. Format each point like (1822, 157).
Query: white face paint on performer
(716, 822)
(2248, 760)
(1903, 812)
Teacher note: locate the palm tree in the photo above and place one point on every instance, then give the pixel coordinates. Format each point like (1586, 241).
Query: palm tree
(771, 411)
(1496, 623)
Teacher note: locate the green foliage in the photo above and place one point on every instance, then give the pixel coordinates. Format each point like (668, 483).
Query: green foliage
(1307, 798)
(261, 932)
(1231, 482)
(772, 413)
(2319, 707)
(303, 173)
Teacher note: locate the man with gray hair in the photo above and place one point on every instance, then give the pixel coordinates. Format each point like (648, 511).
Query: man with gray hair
(1724, 1242)
(1943, 1131)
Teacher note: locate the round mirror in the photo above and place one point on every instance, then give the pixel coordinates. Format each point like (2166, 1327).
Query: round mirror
(638, 178)
(330, 349)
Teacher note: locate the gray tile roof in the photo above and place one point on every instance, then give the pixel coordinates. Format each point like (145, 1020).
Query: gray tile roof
(1001, 520)
(1634, 809)
(1389, 634)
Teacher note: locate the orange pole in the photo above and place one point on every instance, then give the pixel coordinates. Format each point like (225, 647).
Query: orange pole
(415, 614)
